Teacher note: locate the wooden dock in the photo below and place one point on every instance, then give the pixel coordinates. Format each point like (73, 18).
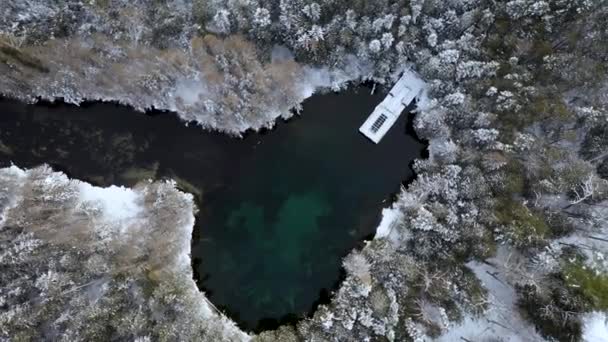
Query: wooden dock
(384, 116)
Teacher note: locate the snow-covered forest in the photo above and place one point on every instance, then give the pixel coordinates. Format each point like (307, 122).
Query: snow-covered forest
(502, 236)
(82, 263)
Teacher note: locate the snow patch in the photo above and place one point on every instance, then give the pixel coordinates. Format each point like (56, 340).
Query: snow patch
(595, 327)
(592, 245)
(8, 199)
(390, 217)
(189, 91)
(117, 203)
(187, 227)
(502, 317)
(15, 171)
(315, 78)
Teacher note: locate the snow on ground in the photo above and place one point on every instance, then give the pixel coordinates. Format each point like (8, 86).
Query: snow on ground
(386, 229)
(15, 171)
(189, 91)
(316, 78)
(502, 317)
(591, 242)
(8, 199)
(595, 327)
(116, 203)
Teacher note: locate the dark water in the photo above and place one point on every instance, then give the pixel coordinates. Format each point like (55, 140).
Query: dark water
(277, 210)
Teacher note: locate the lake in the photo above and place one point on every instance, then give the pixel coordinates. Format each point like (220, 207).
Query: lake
(278, 209)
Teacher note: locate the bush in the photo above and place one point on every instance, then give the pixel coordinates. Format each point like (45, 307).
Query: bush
(559, 223)
(514, 180)
(595, 142)
(549, 313)
(524, 228)
(592, 285)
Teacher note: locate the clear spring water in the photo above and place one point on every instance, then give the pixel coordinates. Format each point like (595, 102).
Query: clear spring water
(278, 209)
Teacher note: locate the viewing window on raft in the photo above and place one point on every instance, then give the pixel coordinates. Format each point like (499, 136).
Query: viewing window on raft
(376, 126)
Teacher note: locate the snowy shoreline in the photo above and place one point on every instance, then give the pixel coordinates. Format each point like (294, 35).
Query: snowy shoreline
(142, 217)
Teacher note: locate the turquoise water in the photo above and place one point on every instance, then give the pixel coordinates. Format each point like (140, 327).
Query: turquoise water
(278, 210)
